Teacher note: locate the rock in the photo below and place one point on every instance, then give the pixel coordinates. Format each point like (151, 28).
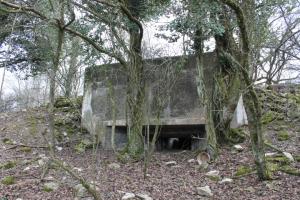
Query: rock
(87, 142)
(50, 178)
(58, 148)
(238, 147)
(171, 163)
(41, 162)
(26, 169)
(271, 185)
(203, 158)
(213, 175)
(128, 196)
(61, 102)
(191, 160)
(250, 189)
(114, 166)
(95, 185)
(289, 156)
(50, 186)
(204, 191)
(144, 197)
(77, 169)
(83, 145)
(80, 190)
(226, 180)
(270, 154)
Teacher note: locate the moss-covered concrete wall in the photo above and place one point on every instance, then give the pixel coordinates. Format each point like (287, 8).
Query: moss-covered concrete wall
(172, 80)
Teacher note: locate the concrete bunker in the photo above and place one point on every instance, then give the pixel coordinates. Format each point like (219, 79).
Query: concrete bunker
(173, 79)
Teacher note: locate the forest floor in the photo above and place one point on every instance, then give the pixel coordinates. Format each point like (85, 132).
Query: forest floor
(22, 167)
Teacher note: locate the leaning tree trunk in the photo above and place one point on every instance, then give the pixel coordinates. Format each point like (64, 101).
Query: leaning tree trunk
(253, 107)
(253, 110)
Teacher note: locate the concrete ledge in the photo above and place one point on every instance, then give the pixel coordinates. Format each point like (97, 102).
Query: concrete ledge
(165, 121)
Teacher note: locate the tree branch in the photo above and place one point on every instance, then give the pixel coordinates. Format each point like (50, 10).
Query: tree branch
(30, 10)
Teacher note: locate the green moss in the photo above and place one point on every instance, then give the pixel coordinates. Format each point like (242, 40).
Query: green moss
(290, 170)
(297, 158)
(54, 166)
(272, 167)
(8, 180)
(59, 121)
(83, 145)
(33, 126)
(7, 141)
(47, 189)
(26, 149)
(281, 163)
(236, 135)
(79, 148)
(8, 165)
(123, 157)
(282, 160)
(283, 135)
(67, 104)
(295, 97)
(62, 102)
(243, 170)
(214, 178)
(270, 116)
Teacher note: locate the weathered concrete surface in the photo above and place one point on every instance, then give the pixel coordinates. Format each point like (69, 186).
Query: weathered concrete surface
(173, 80)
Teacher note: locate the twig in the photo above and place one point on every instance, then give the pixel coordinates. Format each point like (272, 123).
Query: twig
(24, 145)
(83, 182)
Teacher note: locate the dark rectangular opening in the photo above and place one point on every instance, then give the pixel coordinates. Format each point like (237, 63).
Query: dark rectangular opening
(171, 137)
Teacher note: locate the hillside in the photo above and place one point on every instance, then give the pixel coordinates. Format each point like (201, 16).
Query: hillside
(24, 156)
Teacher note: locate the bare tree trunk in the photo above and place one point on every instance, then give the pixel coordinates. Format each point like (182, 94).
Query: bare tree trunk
(136, 82)
(72, 67)
(136, 98)
(4, 68)
(205, 93)
(53, 71)
(2, 81)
